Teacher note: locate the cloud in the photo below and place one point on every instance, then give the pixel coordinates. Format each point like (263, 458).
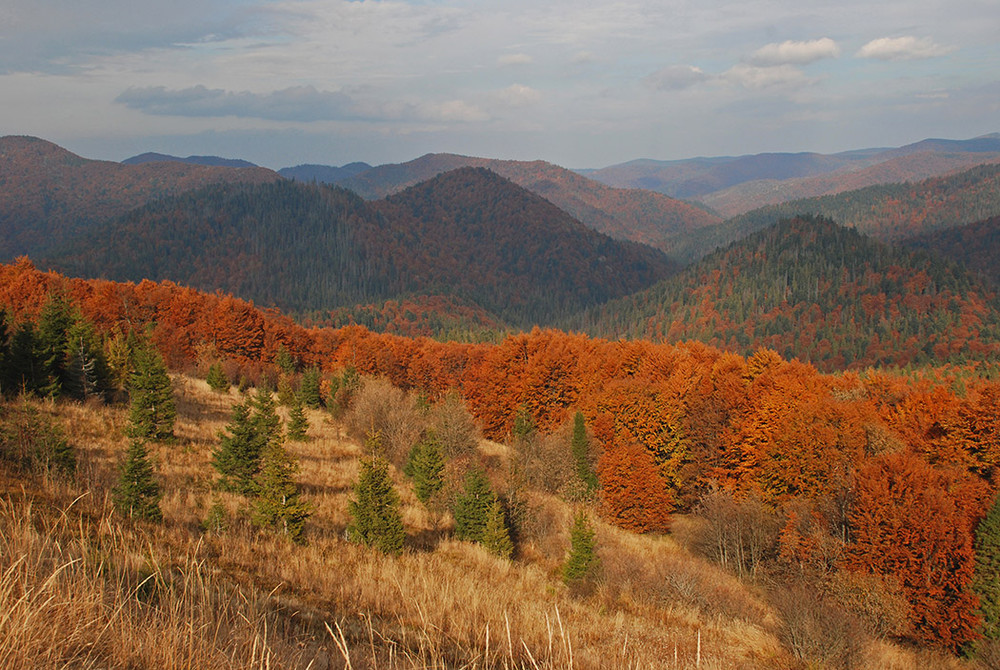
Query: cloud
(515, 59)
(517, 95)
(298, 103)
(903, 48)
(795, 53)
(676, 77)
(778, 76)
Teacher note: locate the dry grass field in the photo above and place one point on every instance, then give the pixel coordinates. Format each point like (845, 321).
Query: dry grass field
(82, 588)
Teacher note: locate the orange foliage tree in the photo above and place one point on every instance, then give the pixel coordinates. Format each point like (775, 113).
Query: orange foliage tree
(634, 491)
(914, 522)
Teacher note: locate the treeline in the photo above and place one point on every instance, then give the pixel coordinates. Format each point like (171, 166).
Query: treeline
(816, 291)
(888, 212)
(307, 247)
(862, 476)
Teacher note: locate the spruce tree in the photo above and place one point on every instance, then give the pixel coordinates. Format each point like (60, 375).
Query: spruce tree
(137, 494)
(375, 517)
(298, 424)
(472, 507)
(277, 503)
(580, 447)
(4, 351)
(152, 411)
(86, 374)
(986, 580)
(426, 467)
(265, 420)
(309, 388)
(582, 562)
(496, 536)
(238, 457)
(25, 370)
(217, 379)
(54, 322)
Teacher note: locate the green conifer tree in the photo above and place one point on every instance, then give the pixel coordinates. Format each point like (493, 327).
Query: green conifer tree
(217, 379)
(238, 457)
(86, 374)
(278, 504)
(137, 494)
(309, 388)
(152, 411)
(375, 517)
(298, 424)
(54, 322)
(284, 360)
(25, 370)
(265, 420)
(582, 563)
(4, 352)
(986, 580)
(580, 447)
(426, 467)
(496, 535)
(472, 507)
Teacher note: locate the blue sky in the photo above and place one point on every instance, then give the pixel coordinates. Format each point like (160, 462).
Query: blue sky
(574, 82)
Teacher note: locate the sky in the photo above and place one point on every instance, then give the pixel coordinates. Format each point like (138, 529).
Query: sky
(578, 83)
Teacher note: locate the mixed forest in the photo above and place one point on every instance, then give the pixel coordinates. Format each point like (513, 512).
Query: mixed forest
(264, 423)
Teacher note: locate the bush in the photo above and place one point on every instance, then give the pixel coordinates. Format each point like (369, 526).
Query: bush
(379, 408)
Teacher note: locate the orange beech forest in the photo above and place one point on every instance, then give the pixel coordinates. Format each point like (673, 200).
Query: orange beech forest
(899, 469)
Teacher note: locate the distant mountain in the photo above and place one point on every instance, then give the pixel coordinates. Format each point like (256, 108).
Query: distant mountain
(888, 212)
(150, 157)
(306, 247)
(324, 174)
(735, 184)
(974, 245)
(625, 214)
(813, 290)
(49, 193)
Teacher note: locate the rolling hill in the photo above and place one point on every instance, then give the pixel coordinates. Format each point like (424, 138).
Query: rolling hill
(305, 247)
(625, 214)
(974, 245)
(813, 290)
(47, 193)
(888, 212)
(731, 185)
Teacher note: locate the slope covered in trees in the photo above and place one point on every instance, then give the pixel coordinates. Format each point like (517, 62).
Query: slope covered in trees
(50, 194)
(974, 245)
(813, 290)
(888, 212)
(625, 214)
(469, 233)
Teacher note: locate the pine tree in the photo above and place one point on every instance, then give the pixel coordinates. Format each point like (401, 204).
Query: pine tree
(54, 322)
(277, 503)
(238, 457)
(25, 370)
(472, 507)
(298, 424)
(426, 466)
(496, 536)
(152, 411)
(265, 420)
(86, 374)
(137, 494)
(309, 388)
(284, 360)
(582, 562)
(986, 580)
(375, 517)
(580, 448)
(217, 379)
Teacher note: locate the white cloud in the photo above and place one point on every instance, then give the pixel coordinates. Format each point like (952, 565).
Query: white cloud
(903, 48)
(517, 95)
(795, 53)
(779, 76)
(515, 59)
(676, 77)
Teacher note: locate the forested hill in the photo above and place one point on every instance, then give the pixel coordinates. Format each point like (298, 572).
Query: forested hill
(625, 214)
(49, 193)
(308, 247)
(974, 245)
(816, 291)
(888, 212)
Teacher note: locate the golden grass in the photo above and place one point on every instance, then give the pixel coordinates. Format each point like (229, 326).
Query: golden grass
(80, 588)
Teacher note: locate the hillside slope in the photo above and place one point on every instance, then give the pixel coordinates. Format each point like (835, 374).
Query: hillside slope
(468, 233)
(816, 291)
(975, 246)
(626, 214)
(888, 212)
